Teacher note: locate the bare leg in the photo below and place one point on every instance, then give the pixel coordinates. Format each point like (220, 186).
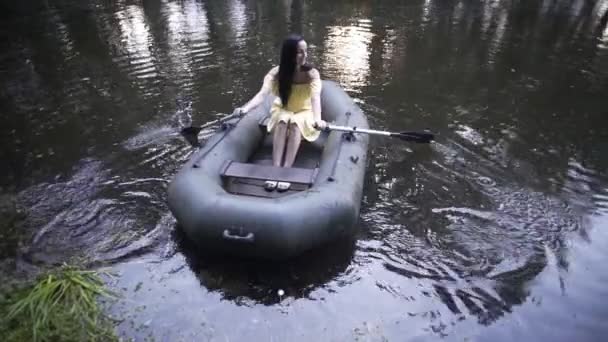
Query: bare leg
(293, 144)
(278, 143)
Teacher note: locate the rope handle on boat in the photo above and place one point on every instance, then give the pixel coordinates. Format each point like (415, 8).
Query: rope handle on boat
(230, 236)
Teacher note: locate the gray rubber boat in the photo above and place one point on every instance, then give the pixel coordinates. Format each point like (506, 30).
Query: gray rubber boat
(219, 199)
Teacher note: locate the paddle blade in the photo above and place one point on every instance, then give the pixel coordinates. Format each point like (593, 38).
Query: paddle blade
(191, 135)
(418, 137)
(191, 130)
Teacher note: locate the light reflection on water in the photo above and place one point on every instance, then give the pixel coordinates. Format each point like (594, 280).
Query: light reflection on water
(237, 21)
(347, 54)
(188, 41)
(136, 46)
(426, 12)
(603, 44)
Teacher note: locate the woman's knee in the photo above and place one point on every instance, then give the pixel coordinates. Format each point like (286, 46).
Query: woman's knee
(293, 128)
(280, 127)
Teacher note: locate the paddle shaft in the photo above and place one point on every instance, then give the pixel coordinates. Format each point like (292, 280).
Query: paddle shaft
(220, 120)
(418, 137)
(358, 130)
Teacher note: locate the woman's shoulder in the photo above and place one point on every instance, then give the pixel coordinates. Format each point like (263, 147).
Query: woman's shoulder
(271, 76)
(314, 74)
(315, 80)
(274, 71)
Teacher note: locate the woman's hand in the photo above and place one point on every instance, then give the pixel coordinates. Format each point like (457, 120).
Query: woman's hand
(240, 110)
(320, 124)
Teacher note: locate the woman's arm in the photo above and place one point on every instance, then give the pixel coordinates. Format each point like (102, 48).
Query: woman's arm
(265, 90)
(316, 85)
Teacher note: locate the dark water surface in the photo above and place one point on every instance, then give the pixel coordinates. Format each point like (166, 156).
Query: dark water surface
(498, 230)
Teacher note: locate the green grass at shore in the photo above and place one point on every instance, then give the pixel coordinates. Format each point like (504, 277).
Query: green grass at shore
(61, 305)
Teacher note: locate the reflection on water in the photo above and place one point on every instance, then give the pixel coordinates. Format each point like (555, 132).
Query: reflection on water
(347, 50)
(601, 202)
(603, 44)
(492, 232)
(600, 12)
(288, 12)
(197, 27)
(458, 13)
(426, 12)
(490, 7)
(188, 41)
(136, 46)
(499, 33)
(575, 10)
(237, 21)
(61, 33)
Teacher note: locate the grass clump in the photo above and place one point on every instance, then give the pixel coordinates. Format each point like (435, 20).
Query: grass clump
(61, 305)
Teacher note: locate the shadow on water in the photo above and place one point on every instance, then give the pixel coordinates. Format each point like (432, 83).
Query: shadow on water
(247, 281)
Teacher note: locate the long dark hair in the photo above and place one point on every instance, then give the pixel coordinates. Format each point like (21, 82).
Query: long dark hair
(287, 67)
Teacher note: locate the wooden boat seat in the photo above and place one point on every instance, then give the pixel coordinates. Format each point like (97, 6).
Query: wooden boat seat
(248, 178)
(267, 172)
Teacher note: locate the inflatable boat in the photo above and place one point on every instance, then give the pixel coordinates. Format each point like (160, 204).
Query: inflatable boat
(222, 202)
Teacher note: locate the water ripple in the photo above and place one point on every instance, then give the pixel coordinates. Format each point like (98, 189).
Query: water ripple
(469, 256)
(88, 216)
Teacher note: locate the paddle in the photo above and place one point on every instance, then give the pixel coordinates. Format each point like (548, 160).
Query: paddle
(418, 137)
(190, 133)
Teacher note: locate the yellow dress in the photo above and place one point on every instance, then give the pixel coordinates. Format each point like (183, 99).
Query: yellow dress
(298, 109)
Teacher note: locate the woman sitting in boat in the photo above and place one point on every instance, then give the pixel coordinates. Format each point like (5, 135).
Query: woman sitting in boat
(296, 110)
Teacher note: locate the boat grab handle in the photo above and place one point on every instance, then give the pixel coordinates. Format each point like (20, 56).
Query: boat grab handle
(230, 236)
